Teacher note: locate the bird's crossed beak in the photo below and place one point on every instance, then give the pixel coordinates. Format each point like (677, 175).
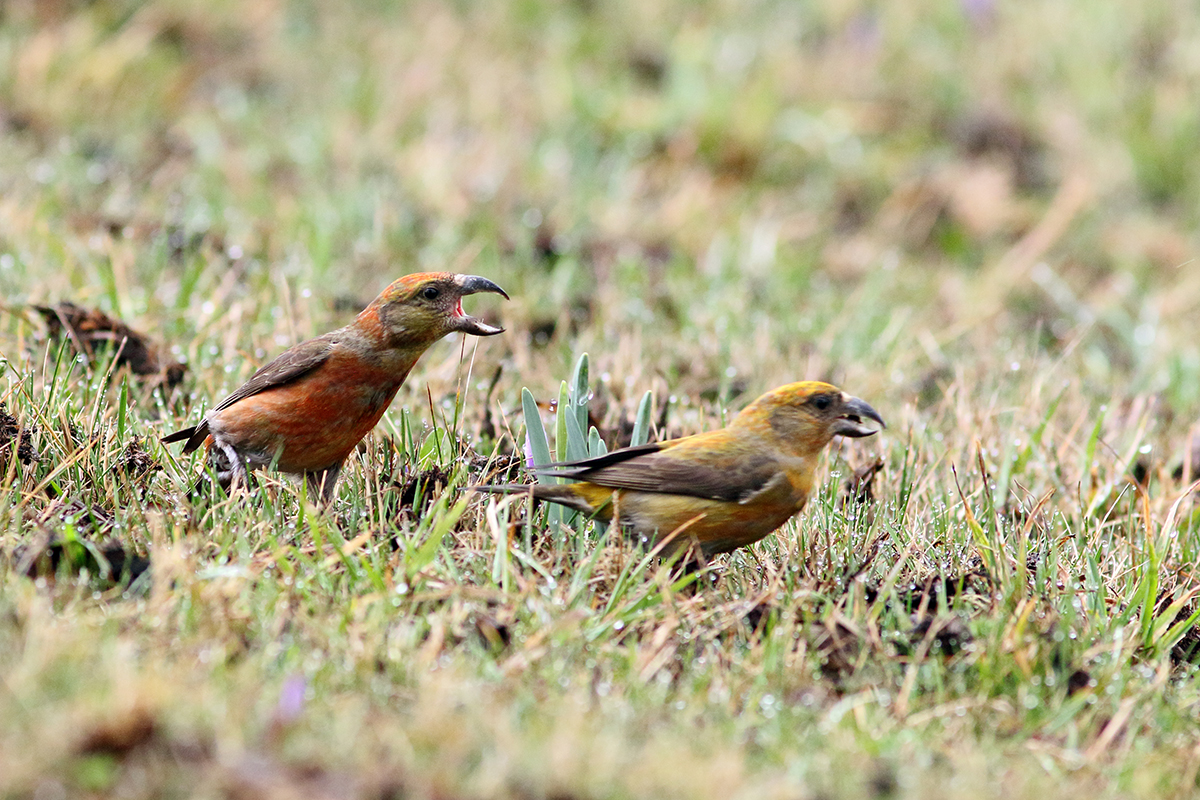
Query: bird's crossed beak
(857, 419)
(474, 284)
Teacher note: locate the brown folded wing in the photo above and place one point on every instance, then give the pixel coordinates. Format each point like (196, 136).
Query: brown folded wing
(292, 364)
(690, 471)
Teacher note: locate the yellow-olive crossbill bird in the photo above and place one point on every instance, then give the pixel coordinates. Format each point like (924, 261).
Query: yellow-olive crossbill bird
(722, 489)
(305, 411)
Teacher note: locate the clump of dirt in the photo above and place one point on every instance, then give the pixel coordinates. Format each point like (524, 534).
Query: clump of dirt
(840, 646)
(93, 332)
(110, 561)
(923, 594)
(649, 66)
(1079, 680)
(1187, 649)
(418, 491)
(497, 469)
(946, 635)
(10, 431)
(136, 460)
(88, 545)
(87, 519)
(993, 134)
(120, 734)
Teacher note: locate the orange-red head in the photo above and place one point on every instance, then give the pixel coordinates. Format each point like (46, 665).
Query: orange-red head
(806, 415)
(425, 306)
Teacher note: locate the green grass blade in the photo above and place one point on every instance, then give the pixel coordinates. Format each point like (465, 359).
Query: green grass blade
(580, 392)
(641, 423)
(535, 435)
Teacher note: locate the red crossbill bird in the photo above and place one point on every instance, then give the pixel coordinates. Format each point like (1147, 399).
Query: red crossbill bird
(722, 489)
(305, 411)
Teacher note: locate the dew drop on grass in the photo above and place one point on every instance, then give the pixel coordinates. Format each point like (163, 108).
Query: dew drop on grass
(618, 625)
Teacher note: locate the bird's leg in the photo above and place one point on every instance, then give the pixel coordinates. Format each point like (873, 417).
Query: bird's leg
(321, 484)
(236, 475)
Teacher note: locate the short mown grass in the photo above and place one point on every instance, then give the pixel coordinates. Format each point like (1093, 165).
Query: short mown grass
(979, 218)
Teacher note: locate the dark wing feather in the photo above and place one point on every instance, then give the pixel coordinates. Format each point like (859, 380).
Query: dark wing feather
(651, 468)
(291, 364)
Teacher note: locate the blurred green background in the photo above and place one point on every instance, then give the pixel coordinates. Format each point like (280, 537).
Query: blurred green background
(743, 174)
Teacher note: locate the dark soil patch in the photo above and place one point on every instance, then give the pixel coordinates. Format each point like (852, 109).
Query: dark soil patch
(10, 431)
(93, 333)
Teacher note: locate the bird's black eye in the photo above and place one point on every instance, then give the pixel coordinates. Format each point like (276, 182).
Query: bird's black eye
(821, 402)
(430, 292)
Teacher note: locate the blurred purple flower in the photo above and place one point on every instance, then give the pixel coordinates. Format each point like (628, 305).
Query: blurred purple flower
(529, 462)
(978, 12)
(291, 699)
(862, 31)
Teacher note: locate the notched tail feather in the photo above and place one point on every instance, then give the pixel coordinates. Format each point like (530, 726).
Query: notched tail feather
(562, 494)
(178, 436)
(194, 435)
(503, 488)
(580, 470)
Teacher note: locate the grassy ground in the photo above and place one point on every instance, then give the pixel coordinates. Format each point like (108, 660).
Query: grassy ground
(980, 217)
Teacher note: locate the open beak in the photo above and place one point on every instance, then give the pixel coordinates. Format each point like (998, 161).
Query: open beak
(474, 284)
(857, 419)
